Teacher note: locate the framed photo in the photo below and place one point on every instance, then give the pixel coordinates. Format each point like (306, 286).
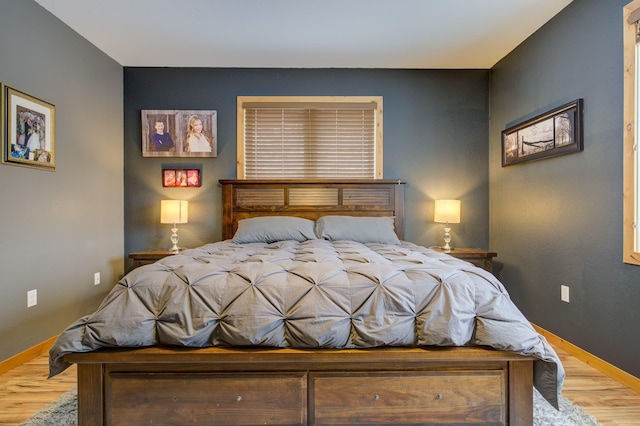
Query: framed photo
(179, 133)
(181, 178)
(553, 133)
(28, 130)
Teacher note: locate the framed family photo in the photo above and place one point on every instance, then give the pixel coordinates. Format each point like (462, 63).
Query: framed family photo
(176, 178)
(556, 132)
(28, 130)
(179, 133)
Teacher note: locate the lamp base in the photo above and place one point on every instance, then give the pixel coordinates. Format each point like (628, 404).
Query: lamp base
(174, 240)
(447, 238)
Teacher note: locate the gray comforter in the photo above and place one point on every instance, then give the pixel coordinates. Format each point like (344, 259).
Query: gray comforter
(312, 294)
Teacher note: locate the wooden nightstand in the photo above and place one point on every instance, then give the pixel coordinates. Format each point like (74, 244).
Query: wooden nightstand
(479, 257)
(148, 256)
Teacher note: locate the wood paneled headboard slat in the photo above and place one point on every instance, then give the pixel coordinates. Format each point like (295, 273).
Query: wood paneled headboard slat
(311, 199)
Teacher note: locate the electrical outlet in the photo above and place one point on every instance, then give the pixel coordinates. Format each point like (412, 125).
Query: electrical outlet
(32, 298)
(96, 278)
(564, 293)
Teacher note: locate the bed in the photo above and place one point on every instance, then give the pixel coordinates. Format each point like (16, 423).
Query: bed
(274, 325)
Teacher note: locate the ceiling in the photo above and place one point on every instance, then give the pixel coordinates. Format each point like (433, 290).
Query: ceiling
(427, 34)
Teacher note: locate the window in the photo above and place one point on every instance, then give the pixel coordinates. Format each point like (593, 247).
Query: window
(631, 233)
(309, 137)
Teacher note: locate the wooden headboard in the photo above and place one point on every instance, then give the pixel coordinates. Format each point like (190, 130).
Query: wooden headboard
(310, 199)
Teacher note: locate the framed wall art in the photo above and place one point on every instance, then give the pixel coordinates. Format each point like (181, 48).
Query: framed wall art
(175, 178)
(179, 133)
(553, 133)
(28, 130)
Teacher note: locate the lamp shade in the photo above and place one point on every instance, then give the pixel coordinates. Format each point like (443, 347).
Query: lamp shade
(447, 211)
(174, 211)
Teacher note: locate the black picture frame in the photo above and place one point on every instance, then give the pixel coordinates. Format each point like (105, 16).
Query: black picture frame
(555, 132)
(181, 178)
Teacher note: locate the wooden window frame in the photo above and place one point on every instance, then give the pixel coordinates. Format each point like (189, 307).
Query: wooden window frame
(631, 249)
(300, 101)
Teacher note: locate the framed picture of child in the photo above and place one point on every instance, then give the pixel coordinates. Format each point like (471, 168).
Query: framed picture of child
(168, 178)
(179, 133)
(28, 130)
(175, 178)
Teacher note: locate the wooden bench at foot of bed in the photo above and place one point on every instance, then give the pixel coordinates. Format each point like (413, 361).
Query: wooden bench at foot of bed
(216, 386)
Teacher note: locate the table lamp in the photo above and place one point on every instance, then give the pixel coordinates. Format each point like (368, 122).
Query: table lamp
(174, 211)
(447, 211)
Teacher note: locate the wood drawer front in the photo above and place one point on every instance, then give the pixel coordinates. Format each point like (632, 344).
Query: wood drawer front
(397, 398)
(207, 399)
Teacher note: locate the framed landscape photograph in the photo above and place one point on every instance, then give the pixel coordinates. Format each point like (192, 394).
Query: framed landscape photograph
(28, 130)
(179, 133)
(553, 133)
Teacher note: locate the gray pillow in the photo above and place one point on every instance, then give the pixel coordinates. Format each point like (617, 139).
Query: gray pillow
(359, 229)
(268, 229)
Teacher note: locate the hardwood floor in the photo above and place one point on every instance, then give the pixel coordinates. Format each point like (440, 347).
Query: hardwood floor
(610, 402)
(25, 390)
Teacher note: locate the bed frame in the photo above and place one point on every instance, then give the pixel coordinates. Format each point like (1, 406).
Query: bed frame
(245, 386)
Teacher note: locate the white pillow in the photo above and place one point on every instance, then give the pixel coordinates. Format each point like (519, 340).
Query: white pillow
(268, 229)
(359, 229)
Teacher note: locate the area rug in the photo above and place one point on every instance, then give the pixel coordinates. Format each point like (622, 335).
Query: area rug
(64, 412)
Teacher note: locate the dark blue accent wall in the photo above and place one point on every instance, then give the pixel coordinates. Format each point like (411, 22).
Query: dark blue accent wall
(553, 222)
(435, 138)
(559, 221)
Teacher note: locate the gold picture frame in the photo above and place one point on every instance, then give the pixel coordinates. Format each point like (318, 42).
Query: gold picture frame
(28, 130)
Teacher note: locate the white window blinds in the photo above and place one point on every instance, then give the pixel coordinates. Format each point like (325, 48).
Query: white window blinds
(310, 139)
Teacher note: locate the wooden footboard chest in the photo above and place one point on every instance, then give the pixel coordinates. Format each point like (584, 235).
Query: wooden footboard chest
(224, 386)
